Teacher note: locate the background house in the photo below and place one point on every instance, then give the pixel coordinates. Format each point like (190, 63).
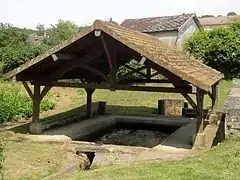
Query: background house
(220, 21)
(173, 30)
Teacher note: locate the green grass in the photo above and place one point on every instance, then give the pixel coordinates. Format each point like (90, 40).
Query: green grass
(145, 103)
(222, 162)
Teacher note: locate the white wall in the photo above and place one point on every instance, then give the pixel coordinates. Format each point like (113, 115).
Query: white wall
(169, 37)
(175, 38)
(189, 28)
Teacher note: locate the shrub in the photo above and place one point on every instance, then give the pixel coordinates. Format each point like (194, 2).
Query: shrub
(218, 48)
(15, 103)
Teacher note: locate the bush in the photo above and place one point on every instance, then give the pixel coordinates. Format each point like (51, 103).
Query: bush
(15, 103)
(218, 48)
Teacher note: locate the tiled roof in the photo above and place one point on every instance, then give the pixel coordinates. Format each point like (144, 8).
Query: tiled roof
(155, 24)
(215, 21)
(172, 59)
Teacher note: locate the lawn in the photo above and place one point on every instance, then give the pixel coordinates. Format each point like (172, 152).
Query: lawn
(145, 103)
(37, 160)
(221, 162)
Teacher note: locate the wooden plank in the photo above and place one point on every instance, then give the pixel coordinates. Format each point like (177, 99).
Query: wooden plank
(120, 87)
(36, 104)
(200, 113)
(190, 101)
(45, 91)
(29, 91)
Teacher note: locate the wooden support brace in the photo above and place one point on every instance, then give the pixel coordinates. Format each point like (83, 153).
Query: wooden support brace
(190, 101)
(29, 91)
(44, 92)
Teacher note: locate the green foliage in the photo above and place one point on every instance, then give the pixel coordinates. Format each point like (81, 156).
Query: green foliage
(11, 36)
(15, 103)
(218, 48)
(231, 14)
(60, 32)
(15, 56)
(123, 71)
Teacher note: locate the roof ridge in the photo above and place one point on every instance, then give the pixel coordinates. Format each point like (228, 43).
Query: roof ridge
(153, 17)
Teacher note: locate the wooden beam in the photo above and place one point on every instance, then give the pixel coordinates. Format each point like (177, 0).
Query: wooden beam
(89, 102)
(97, 72)
(215, 96)
(190, 101)
(138, 70)
(110, 51)
(148, 70)
(120, 87)
(90, 56)
(131, 81)
(107, 51)
(63, 56)
(200, 112)
(44, 92)
(29, 91)
(154, 74)
(36, 103)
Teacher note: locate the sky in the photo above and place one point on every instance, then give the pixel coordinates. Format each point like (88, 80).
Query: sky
(29, 13)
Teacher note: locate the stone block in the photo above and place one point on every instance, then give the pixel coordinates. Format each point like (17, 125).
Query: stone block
(170, 107)
(35, 128)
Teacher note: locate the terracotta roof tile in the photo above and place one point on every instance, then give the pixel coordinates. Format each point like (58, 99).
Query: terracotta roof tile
(172, 59)
(154, 24)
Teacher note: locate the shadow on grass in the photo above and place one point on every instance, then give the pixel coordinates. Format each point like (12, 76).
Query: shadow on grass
(79, 113)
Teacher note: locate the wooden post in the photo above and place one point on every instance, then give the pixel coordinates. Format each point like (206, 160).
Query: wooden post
(200, 113)
(89, 102)
(35, 126)
(36, 96)
(215, 96)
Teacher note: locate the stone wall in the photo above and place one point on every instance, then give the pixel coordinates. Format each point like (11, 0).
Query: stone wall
(232, 109)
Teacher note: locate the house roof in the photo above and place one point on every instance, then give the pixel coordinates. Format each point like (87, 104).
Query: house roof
(216, 21)
(170, 59)
(155, 24)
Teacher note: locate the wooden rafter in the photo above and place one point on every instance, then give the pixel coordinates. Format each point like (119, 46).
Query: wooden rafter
(120, 87)
(107, 51)
(96, 52)
(97, 72)
(138, 70)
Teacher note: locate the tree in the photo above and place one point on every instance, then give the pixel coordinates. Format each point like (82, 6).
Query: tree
(60, 32)
(11, 36)
(204, 16)
(218, 48)
(231, 14)
(40, 29)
